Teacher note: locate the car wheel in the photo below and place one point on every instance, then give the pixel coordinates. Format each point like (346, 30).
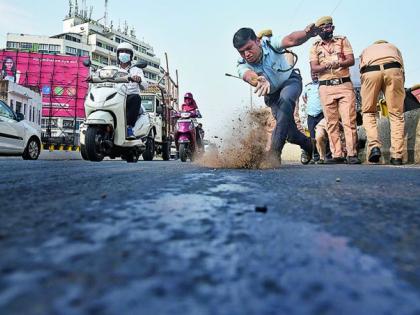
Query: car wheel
(32, 150)
(166, 150)
(149, 153)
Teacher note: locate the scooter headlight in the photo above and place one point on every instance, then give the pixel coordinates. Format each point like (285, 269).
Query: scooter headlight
(107, 73)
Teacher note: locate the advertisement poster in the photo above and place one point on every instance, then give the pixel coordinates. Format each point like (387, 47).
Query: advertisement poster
(60, 79)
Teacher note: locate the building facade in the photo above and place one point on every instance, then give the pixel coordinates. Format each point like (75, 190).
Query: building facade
(22, 100)
(84, 37)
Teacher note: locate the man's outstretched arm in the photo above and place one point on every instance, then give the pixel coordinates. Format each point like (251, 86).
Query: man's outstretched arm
(299, 37)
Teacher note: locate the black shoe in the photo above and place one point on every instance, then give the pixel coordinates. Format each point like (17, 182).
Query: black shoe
(335, 160)
(396, 161)
(304, 158)
(353, 160)
(375, 155)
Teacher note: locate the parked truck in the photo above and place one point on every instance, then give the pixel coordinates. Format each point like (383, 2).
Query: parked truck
(157, 104)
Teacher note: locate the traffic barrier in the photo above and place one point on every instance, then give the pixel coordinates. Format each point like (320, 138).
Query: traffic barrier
(60, 147)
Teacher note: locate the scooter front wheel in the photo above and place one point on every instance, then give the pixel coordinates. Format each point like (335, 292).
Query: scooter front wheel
(132, 158)
(83, 152)
(94, 136)
(183, 152)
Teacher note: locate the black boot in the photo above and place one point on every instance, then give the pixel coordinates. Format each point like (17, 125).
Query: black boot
(306, 156)
(375, 155)
(396, 161)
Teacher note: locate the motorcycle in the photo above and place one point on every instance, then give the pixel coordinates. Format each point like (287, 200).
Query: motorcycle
(104, 131)
(187, 139)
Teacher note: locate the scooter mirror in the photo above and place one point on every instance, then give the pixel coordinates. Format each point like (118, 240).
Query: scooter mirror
(174, 114)
(87, 63)
(141, 64)
(159, 110)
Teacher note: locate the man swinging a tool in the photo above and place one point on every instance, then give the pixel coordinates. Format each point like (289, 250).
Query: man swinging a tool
(264, 66)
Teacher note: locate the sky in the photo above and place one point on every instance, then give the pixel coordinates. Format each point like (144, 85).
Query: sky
(197, 35)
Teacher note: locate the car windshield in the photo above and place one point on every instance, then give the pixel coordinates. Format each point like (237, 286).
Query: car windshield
(148, 103)
(5, 111)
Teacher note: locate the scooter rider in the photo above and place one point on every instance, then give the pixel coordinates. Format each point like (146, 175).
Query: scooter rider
(189, 103)
(191, 106)
(125, 55)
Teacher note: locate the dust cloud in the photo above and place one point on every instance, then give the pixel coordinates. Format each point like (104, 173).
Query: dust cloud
(247, 146)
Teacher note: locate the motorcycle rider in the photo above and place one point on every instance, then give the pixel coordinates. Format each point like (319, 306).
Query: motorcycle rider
(125, 55)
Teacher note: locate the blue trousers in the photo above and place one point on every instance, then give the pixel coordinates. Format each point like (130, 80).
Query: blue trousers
(282, 104)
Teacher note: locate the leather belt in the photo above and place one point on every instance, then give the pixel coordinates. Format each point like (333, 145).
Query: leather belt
(378, 67)
(337, 81)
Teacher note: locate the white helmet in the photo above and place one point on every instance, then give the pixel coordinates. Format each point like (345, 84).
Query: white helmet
(126, 46)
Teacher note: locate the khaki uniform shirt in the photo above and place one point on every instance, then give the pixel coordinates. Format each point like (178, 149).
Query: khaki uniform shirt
(326, 52)
(378, 54)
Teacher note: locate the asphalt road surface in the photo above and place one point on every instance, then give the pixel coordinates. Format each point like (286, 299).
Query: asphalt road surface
(174, 238)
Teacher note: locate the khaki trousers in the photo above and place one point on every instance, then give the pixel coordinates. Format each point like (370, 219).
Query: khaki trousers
(391, 83)
(339, 101)
(321, 137)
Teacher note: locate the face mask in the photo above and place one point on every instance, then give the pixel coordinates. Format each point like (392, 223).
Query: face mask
(326, 35)
(124, 57)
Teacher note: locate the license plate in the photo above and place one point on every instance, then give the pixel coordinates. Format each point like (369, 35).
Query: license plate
(106, 84)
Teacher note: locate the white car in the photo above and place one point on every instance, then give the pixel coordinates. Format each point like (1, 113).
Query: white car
(17, 136)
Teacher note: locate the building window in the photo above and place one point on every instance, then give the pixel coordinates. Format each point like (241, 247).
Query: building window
(96, 57)
(110, 48)
(99, 44)
(18, 107)
(71, 51)
(43, 48)
(11, 105)
(54, 48)
(117, 39)
(73, 39)
(25, 45)
(14, 45)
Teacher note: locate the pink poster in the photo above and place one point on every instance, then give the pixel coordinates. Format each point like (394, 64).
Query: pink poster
(60, 79)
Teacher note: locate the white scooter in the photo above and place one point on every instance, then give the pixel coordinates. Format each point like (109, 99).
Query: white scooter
(104, 131)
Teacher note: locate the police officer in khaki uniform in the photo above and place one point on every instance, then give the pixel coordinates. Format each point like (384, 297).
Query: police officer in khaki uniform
(331, 57)
(381, 67)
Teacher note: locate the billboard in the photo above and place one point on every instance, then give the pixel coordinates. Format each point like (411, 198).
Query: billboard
(60, 79)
